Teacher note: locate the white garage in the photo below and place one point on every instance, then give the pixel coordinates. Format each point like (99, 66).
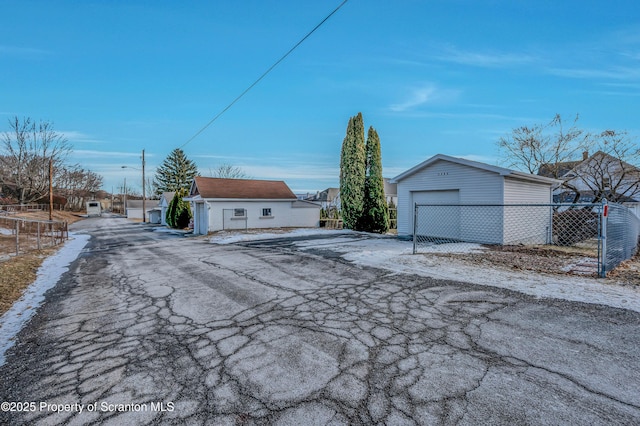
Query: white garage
(451, 182)
(236, 204)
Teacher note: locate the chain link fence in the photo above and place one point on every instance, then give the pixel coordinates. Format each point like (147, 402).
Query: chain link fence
(620, 239)
(578, 228)
(20, 235)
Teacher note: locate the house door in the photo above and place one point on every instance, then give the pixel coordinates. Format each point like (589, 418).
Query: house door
(201, 219)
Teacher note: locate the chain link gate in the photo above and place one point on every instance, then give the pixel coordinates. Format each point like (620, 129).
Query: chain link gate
(607, 231)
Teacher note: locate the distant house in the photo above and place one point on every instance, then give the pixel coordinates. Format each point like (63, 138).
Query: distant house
(445, 180)
(391, 191)
(596, 177)
(163, 205)
(134, 208)
(221, 204)
(330, 197)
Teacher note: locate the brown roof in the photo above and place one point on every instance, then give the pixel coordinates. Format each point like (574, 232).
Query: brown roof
(241, 188)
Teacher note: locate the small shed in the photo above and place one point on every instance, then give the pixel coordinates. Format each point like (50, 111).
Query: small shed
(221, 204)
(452, 181)
(94, 208)
(153, 215)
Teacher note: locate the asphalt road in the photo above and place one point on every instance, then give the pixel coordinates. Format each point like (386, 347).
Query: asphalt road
(154, 328)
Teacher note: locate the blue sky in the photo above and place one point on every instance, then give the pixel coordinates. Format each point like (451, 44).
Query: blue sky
(440, 76)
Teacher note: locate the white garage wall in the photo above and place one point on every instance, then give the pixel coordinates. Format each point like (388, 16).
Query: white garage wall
(527, 225)
(476, 186)
(284, 214)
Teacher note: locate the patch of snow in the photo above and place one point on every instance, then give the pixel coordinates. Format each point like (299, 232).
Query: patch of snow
(230, 237)
(4, 231)
(48, 275)
(167, 230)
(396, 256)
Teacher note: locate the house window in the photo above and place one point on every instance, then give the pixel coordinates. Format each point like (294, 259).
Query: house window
(606, 183)
(238, 212)
(266, 212)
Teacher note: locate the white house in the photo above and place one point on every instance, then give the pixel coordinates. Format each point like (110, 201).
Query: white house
(596, 176)
(452, 181)
(219, 204)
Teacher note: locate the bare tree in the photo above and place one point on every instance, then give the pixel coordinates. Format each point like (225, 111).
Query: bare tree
(27, 149)
(553, 150)
(228, 171)
(611, 172)
(550, 145)
(77, 185)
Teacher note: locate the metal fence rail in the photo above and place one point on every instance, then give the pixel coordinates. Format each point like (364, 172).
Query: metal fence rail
(608, 235)
(9, 209)
(20, 235)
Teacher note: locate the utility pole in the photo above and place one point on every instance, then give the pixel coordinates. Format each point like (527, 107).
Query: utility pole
(124, 204)
(144, 207)
(50, 189)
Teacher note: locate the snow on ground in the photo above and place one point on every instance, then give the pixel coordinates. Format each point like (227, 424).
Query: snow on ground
(4, 231)
(230, 237)
(48, 275)
(363, 249)
(167, 230)
(396, 255)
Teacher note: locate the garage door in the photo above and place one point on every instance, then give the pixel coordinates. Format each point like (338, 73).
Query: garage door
(437, 222)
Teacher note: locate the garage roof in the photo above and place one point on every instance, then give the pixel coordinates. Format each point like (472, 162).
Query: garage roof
(220, 188)
(476, 164)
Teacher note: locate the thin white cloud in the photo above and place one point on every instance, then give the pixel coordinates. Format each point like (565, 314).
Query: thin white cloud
(424, 95)
(484, 59)
(75, 136)
(417, 98)
(615, 73)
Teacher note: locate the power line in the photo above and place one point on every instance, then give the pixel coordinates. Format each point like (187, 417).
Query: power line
(263, 75)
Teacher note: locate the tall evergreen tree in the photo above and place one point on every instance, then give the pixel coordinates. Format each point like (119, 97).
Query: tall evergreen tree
(352, 172)
(176, 172)
(375, 215)
(178, 212)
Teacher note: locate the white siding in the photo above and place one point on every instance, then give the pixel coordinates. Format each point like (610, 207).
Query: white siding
(164, 206)
(476, 186)
(134, 213)
(527, 225)
(284, 214)
(523, 192)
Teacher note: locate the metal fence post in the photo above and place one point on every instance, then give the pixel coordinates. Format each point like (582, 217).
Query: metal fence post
(415, 227)
(605, 214)
(17, 237)
(38, 237)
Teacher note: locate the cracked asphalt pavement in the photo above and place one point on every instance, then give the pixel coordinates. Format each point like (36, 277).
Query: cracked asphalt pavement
(154, 328)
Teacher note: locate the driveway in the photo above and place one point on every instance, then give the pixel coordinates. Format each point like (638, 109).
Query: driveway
(155, 328)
